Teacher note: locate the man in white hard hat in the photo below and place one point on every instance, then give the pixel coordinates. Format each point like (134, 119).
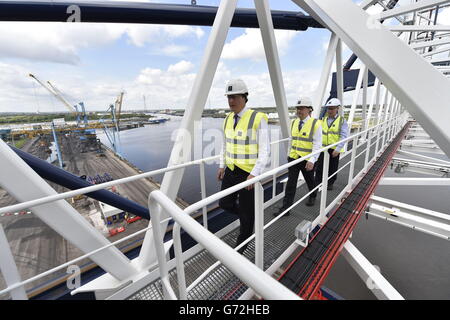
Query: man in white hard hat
(334, 129)
(306, 138)
(245, 153)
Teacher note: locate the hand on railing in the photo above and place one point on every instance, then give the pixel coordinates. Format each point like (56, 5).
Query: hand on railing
(220, 174)
(250, 187)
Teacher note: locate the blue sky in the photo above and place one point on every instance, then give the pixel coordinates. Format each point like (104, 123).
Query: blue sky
(94, 62)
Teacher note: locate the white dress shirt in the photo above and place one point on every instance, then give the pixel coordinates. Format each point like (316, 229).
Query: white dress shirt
(317, 139)
(263, 146)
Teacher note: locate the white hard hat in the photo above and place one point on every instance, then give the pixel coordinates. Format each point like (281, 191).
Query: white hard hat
(236, 86)
(333, 103)
(304, 102)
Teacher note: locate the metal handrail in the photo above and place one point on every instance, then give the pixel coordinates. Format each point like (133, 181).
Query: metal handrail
(265, 285)
(176, 229)
(190, 209)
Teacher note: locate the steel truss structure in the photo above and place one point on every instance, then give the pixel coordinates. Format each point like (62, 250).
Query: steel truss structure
(408, 84)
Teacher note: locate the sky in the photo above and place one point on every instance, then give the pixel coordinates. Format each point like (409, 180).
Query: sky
(93, 63)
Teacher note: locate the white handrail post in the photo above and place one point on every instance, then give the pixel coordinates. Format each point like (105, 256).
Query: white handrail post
(368, 145)
(377, 144)
(159, 248)
(352, 163)
(8, 268)
(181, 277)
(203, 190)
(323, 195)
(275, 164)
(259, 225)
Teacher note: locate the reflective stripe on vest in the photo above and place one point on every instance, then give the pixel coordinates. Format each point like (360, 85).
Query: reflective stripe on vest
(331, 136)
(241, 142)
(302, 141)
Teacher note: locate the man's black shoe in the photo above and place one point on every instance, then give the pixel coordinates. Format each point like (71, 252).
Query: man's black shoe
(280, 211)
(330, 187)
(311, 202)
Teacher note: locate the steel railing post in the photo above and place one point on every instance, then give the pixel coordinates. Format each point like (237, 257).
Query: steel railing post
(259, 225)
(203, 191)
(275, 164)
(181, 277)
(352, 163)
(323, 195)
(369, 146)
(159, 248)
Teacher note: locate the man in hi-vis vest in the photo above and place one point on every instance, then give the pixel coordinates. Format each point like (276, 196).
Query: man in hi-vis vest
(245, 153)
(306, 135)
(334, 129)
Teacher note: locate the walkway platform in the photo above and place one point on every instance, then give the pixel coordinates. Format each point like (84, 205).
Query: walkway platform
(221, 284)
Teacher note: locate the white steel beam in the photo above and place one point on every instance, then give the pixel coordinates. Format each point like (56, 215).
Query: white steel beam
(424, 4)
(8, 268)
(412, 219)
(420, 156)
(24, 184)
(356, 94)
(437, 42)
(194, 109)
(367, 3)
(320, 91)
(416, 88)
(414, 182)
(374, 101)
(427, 164)
(431, 53)
(340, 76)
(374, 280)
(439, 60)
(270, 47)
(443, 218)
(420, 27)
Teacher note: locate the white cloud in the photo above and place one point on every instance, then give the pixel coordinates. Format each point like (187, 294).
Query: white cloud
(444, 16)
(172, 50)
(250, 45)
(168, 88)
(181, 67)
(139, 35)
(62, 42)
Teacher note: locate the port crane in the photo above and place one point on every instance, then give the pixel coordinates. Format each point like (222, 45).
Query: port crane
(58, 95)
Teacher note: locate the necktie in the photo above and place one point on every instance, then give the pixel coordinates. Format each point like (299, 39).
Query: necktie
(300, 125)
(236, 119)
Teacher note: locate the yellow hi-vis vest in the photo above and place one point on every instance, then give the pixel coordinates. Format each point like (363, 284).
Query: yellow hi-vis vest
(241, 143)
(302, 141)
(332, 134)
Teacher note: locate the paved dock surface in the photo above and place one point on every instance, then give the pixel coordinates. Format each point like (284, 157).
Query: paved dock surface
(35, 246)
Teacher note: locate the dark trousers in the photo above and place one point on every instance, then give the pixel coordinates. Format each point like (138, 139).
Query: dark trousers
(246, 207)
(291, 186)
(334, 165)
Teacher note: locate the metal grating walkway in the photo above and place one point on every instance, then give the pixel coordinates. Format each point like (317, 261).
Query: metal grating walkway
(308, 270)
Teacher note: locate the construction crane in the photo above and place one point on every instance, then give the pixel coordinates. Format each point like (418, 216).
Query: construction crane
(118, 106)
(56, 93)
(74, 108)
